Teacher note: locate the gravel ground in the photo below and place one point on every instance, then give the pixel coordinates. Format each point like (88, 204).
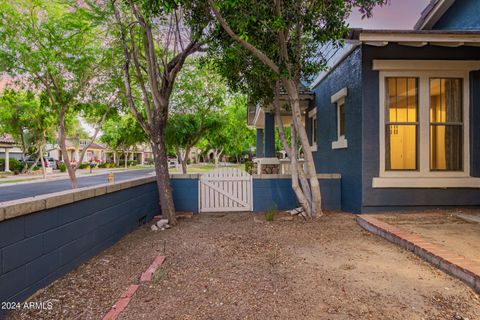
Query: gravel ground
(238, 266)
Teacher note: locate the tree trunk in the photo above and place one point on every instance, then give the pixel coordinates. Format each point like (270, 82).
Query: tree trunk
(63, 147)
(125, 155)
(40, 155)
(303, 192)
(185, 160)
(163, 181)
(294, 97)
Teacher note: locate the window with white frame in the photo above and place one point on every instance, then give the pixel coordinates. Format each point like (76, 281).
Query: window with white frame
(338, 100)
(424, 125)
(312, 115)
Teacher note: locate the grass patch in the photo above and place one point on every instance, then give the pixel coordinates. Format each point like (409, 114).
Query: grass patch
(16, 180)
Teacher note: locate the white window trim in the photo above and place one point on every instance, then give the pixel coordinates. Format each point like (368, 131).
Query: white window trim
(312, 114)
(338, 99)
(424, 178)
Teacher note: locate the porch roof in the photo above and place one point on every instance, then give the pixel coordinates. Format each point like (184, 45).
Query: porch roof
(256, 113)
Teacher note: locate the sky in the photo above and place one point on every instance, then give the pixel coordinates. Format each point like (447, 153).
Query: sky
(399, 14)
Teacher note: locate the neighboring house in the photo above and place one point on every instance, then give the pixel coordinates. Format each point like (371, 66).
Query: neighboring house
(398, 113)
(95, 152)
(9, 149)
(141, 153)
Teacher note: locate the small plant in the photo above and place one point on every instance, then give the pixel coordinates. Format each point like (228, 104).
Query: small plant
(62, 167)
(270, 215)
(159, 275)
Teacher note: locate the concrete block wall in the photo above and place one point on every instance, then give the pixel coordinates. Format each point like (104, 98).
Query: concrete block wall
(270, 191)
(37, 247)
(275, 192)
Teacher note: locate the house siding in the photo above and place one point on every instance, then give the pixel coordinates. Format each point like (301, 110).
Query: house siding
(462, 15)
(384, 199)
(347, 161)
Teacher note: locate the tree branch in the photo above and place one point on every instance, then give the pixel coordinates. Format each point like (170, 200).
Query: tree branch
(255, 51)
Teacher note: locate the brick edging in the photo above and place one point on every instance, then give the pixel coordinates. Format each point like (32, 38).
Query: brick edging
(125, 298)
(464, 269)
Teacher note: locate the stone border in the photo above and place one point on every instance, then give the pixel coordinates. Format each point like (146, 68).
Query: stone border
(464, 269)
(325, 176)
(195, 176)
(16, 208)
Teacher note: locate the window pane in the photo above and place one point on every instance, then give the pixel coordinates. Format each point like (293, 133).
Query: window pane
(446, 147)
(391, 114)
(402, 102)
(446, 103)
(341, 120)
(401, 147)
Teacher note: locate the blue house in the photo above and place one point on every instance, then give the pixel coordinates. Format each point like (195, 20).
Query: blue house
(397, 114)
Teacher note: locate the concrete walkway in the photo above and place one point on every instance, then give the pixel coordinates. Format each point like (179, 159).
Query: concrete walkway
(443, 258)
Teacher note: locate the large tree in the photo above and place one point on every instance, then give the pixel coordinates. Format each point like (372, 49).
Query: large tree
(29, 119)
(57, 48)
(156, 38)
(198, 101)
(280, 40)
(123, 133)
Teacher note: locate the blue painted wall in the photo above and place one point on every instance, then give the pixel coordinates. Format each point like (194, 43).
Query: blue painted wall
(269, 136)
(385, 199)
(185, 194)
(259, 149)
(462, 15)
(347, 162)
(38, 248)
(278, 194)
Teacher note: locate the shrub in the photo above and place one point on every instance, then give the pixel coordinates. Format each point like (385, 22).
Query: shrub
(249, 166)
(14, 164)
(62, 167)
(132, 163)
(83, 166)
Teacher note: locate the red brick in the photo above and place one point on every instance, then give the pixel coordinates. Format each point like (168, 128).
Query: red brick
(147, 275)
(121, 303)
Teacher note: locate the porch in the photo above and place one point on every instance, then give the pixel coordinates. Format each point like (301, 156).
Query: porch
(262, 117)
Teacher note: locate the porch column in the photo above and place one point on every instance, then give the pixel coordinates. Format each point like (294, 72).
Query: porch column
(269, 136)
(259, 143)
(142, 158)
(7, 160)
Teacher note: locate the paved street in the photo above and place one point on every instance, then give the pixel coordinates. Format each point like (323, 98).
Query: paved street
(25, 190)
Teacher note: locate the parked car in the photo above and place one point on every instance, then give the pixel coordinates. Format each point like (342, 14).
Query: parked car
(172, 162)
(49, 162)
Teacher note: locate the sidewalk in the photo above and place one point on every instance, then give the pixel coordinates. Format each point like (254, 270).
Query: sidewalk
(20, 179)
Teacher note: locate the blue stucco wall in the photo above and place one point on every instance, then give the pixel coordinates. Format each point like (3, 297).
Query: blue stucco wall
(38, 248)
(277, 194)
(348, 161)
(185, 194)
(385, 199)
(462, 15)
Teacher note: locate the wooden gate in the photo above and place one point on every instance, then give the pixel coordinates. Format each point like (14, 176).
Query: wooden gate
(226, 189)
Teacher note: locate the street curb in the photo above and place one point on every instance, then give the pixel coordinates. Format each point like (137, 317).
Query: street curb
(464, 269)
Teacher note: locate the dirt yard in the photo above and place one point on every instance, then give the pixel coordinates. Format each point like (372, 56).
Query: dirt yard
(238, 266)
(442, 227)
